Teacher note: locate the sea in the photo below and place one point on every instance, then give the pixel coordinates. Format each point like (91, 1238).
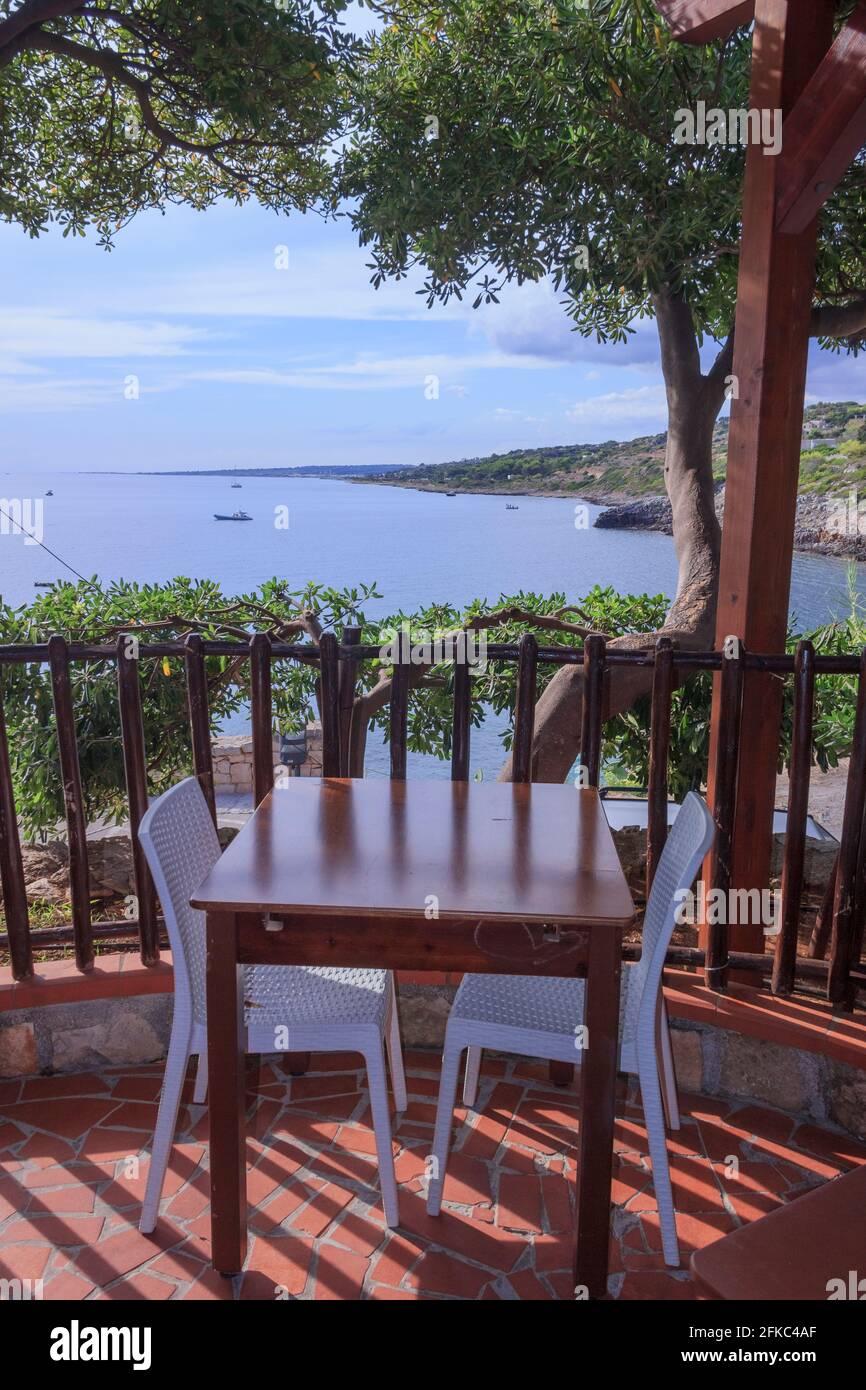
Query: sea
(417, 547)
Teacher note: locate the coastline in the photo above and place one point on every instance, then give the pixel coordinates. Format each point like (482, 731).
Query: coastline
(653, 513)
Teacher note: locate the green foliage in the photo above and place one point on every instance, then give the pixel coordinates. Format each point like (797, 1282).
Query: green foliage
(555, 132)
(120, 107)
(161, 612)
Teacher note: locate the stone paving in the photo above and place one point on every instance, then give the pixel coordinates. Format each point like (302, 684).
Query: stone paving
(73, 1162)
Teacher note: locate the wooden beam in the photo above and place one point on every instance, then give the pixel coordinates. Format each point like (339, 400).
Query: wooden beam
(825, 130)
(774, 302)
(701, 21)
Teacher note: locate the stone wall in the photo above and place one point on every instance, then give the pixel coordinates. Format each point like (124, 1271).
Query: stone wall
(233, 760)
(710, 1060)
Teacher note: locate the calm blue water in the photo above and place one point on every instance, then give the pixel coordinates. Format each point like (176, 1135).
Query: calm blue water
(418, 548)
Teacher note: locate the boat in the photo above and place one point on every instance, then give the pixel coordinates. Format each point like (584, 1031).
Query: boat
(49, 493)
(43, 583)
(237, 484)
(510, 507)
(235, 516)
(451, 494)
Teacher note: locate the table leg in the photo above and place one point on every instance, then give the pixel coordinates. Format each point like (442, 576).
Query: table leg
(226, 1095)
(560, 1073)
(598, 1098)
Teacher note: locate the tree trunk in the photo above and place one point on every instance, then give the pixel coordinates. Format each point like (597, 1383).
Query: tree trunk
(694, 401)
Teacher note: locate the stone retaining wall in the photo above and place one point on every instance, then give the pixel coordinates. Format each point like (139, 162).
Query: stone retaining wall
(710, 1060)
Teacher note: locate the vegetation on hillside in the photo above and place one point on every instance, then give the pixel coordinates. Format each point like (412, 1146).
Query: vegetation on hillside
(635, 468)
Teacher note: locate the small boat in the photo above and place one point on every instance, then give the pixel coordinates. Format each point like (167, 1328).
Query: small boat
(49, 493)
(237, 484)
(451, 494)
(43, 583)
(235, 516)
(510, 507)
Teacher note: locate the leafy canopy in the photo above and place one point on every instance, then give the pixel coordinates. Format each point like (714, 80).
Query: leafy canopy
(495, 140)
(113, 106)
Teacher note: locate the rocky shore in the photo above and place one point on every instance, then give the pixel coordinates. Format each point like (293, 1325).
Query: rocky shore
(818, 526)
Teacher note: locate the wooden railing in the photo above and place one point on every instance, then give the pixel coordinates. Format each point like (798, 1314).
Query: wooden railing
(833, 964)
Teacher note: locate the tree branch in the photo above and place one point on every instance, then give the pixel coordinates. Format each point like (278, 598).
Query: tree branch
(839, 320)
(33, 13)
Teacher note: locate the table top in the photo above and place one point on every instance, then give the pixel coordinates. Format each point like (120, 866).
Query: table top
(353, 847)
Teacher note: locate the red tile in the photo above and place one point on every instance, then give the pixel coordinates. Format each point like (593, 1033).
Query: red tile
(651, 1286)
(438, 1272)
(519, 1205)
(58, 1230)
(529, 1287)
(139, 1288)
(278, 1266)
(340, 1274)
(360, 1234)
(67, 1117)
(315, 1218)
(74, 1084)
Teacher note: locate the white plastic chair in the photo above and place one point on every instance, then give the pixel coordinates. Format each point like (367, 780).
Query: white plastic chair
(536, 1016)
(297, 1008)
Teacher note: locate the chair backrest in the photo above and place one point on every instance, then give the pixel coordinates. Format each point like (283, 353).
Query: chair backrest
(690, 837)
(180, 842)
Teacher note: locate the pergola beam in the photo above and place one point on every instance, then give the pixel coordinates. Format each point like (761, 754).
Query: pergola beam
(701, 21)
(825, 129)
(774, 305)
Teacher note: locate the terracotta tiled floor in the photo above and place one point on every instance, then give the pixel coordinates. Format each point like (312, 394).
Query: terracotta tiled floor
(73, 1165)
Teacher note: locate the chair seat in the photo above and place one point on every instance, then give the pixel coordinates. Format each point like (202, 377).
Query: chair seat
(299, 995)
(534, 1003)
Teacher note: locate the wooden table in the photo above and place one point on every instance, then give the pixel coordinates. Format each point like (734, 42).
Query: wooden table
(525, 879)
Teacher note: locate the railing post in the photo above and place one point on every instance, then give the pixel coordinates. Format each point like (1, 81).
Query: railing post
(660, 742)
(348, 678)
(524, 709)
(844, 933)
(785, 962)
(329, 704)
(199, 718)
(460, 717)
(399, 709)
(73, 796)
(135, 772)
(261, 715)
(730, 708)
(15, 908)
(594, 653)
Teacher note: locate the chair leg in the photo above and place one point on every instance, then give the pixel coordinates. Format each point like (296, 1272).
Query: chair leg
(471, 1076)
(395, 1054)
(655, 1124)
(444, 1120)
(378, 1084)
(668, 1075)
(199, 1095)
(166, 1123)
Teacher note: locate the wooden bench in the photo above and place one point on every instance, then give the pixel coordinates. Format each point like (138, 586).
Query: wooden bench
(794, 1252)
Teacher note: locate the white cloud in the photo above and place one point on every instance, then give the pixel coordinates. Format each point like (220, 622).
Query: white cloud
(644, 405)
(26, 333)
(367, 372)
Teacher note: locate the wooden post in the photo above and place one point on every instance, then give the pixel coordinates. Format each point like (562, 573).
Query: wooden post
(524, 709)
(261, 715)
(347, 681)
(135, 771)
(774, 303)
(199, 718)
(73, 797)
(15, 908)
(785, 963)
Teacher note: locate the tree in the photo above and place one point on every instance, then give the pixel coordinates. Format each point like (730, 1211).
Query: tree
(109, 107)
(508, 142)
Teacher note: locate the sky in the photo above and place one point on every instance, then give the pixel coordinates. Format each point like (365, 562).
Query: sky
(189, 346)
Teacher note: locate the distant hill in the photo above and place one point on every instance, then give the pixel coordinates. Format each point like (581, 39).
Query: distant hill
(329, 470)
(834, 457)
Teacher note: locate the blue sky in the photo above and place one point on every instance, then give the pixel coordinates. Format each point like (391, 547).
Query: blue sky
(242, 364)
